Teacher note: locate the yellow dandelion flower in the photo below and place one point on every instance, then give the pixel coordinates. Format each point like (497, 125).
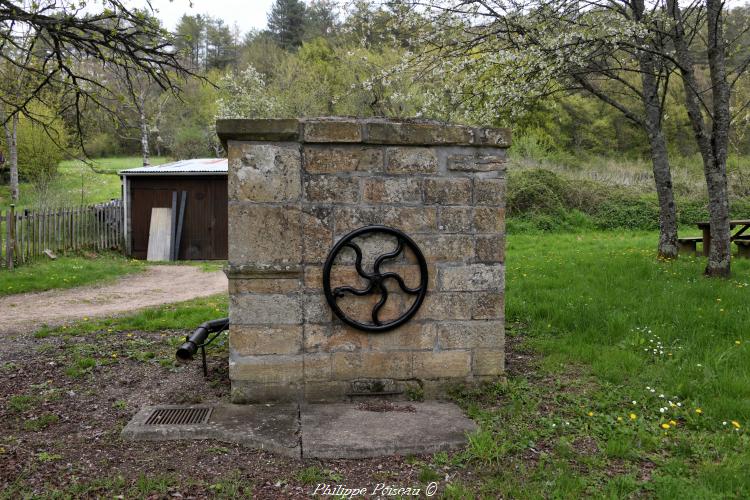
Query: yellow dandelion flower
(665, 426)
(114, 354)
(590, 414)
(736, 424)
(633, 416)
(673, 423)
(737, 342)
(619, 419)
(698, 411)
(86, 318)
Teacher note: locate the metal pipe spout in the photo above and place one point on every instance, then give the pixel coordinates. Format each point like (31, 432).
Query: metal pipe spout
(197, 339)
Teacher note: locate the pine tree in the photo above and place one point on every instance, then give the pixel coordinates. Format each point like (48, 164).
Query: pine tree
(190, 39)
(286, 22)
(320, 19)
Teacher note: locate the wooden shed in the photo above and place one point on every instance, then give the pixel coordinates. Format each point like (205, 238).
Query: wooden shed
(204, 229)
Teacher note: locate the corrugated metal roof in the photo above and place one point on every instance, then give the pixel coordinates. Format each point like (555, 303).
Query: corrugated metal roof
(193, 166)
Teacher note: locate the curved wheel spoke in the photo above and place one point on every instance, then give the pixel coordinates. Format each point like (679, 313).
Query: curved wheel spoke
(358, 260)
(379, 305)
(341, 290)
(386, 256)
(398, 279)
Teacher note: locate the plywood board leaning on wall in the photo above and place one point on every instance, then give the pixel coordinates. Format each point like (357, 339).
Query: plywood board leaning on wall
(160, 235)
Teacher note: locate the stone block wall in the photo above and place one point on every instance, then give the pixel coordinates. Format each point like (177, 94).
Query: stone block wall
(295, 188)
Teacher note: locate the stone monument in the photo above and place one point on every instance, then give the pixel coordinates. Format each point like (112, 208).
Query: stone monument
(365, 257)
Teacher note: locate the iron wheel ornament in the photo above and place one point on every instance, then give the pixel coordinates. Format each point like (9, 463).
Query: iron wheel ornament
(375, 279)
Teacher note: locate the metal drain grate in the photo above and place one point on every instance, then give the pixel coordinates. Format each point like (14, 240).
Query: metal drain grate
(179, 416)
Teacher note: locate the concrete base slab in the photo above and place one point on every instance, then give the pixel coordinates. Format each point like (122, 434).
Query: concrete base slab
(267, 427)
(341, 430)
(346, 431)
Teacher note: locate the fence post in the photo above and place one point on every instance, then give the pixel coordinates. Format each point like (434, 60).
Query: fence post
(109, 226)
(11, 235)
(86, 227)
(70, 228)
(45, 229)
(19, 239)
(57, 229)
(100, 224)
(37, 233)
(25, 237)
(2, 239)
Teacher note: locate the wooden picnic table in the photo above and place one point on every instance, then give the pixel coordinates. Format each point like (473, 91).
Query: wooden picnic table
(705, 226)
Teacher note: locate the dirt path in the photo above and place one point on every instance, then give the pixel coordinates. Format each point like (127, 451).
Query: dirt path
(157, 285)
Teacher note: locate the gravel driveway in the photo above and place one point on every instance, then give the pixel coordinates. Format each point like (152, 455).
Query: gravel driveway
(156, 286)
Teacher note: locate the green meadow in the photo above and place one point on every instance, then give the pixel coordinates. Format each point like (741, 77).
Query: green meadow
(628, 376)
(77, 183)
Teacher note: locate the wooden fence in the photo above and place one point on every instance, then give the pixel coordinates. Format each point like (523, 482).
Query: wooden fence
(26, 234)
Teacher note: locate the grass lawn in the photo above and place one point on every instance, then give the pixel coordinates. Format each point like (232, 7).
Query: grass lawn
(78, 184)
(179, 316)
(639, 379)
(66, 272)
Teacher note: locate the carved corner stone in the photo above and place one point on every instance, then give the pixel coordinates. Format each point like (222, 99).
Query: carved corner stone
(265, 172)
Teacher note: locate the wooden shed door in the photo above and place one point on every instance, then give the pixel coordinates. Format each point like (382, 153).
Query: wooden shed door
(204, 231)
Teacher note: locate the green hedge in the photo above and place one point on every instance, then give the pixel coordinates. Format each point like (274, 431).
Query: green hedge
(541, 200)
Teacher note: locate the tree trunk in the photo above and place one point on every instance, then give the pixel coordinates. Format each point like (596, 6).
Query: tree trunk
(11, 139)
(665, 194)
(144, 138)
(659, 157)
(709, 145)
(719, 259)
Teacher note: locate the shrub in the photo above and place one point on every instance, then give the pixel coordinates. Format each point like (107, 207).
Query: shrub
(103, 145)
(40, 147)
(690, 211)
(627, 212)
(191, 142)
(740, 209)
(533, 144)
(542, 200)
(536, 191)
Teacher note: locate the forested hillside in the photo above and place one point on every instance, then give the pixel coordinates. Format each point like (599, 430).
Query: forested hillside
(319, 59)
